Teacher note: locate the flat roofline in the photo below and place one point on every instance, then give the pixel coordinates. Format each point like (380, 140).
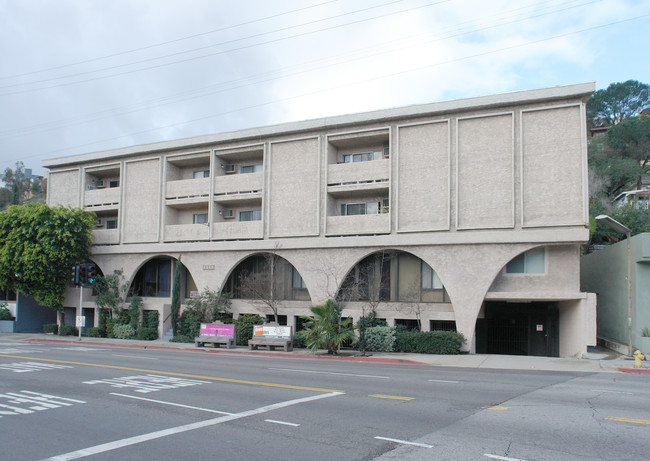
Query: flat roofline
(581, 90)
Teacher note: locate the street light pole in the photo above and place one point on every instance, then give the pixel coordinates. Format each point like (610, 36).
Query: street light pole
(620, 228)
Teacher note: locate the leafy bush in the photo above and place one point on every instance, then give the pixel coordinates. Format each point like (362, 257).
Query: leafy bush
(134, 311)
(244, 327)
(150, 319)
(189, 324)
(380, 339)
(428, 342)
(123, 331)
(50, 328)
(147, 334)
(68, 330)
(298, 341)
(645, 332)
(5, 313)
(182, 339)
(94, 332)
(110, 324)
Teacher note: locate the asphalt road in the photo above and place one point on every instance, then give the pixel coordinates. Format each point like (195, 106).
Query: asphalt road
(63, 401)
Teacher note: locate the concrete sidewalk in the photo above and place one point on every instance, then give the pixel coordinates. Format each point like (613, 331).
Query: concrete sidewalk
(596, 360)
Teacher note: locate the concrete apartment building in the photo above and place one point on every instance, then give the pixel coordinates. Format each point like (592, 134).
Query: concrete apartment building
(463, 214)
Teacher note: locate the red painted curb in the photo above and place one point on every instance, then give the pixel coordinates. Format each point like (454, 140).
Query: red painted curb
(635, 371)
(240, 352)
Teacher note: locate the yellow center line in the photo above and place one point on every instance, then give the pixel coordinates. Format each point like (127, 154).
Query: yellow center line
(172, 373)
(393, 397)
(627, 420)
(490, 407)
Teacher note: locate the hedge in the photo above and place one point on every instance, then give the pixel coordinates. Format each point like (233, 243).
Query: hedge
(380, 339)
(429, 342)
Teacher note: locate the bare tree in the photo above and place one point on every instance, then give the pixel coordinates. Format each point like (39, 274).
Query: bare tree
(261, 285)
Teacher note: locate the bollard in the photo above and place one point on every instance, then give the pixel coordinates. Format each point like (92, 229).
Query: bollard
(638, 356)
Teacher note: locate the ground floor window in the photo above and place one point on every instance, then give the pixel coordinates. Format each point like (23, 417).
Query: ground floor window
(442, 325)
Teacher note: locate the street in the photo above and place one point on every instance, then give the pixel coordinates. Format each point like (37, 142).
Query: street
(67, 401)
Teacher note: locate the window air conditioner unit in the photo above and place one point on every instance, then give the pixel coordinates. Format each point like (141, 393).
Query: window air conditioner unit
(386, 152)
(99, 222)
(101, 184)
(227, 213)
(228, 169)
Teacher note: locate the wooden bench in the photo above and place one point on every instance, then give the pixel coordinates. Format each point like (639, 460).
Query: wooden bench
(216, 334)
(271, 335)
(215, 340)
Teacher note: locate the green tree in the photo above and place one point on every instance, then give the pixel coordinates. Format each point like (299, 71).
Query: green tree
(617, 102)
(38, 246)
(17, 183)
(176, 295)
(111, 293)
(325, 329)
(611, 170)
(631, 138)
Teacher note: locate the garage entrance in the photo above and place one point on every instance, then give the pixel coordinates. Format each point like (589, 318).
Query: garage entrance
(519, 329)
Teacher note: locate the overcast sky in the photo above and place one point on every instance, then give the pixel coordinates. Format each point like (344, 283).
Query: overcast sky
(83, 76)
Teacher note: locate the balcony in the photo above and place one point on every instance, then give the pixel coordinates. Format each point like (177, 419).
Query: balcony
(186, 232)
(238, 186)
(358, 224)
(105, 237)
(237, 230)
(359, 176)
(102, 198)
(184, 189)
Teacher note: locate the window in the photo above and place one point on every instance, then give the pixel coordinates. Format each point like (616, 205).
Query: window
(200, 174)
(153, 279)
(250, 168)
(200, 218)
(351, 209)
(430, 280)
(250, 215)
(297, 281)
(442, 325)
(282, 319)
(114, 183)
(361, 157)
(531, 262)
(111, 224)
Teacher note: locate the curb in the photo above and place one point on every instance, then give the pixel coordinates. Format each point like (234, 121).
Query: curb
(635, 371)
(236, 352)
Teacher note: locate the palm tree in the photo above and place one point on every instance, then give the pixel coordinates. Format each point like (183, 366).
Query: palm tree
(325, 329)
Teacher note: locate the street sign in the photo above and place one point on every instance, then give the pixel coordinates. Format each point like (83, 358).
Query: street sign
(80, 321)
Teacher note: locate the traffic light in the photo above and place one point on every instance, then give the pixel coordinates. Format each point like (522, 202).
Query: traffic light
(74, 275)
(83, 274)
(91, 274)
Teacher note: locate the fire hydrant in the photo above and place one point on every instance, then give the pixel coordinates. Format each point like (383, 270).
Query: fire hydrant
(638, 356)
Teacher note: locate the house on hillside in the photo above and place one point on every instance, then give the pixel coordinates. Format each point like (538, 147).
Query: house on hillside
(465, 215)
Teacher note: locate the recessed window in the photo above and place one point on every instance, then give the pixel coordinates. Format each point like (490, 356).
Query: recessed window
(297, 281)
(111, 224)
(250, 168)
(531, 262)
(429, 278)
(361, 157)
(359, 208)
(200, 174)
(200, 218)
(250, 215)
(114, 183)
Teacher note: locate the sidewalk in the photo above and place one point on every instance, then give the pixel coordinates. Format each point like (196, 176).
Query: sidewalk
(596, 360)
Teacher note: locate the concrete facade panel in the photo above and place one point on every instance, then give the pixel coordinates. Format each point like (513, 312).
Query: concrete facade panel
(63, 188)
(142, 196)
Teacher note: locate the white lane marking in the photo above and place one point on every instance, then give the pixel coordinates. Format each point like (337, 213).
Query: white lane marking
(281, 422)
(136, 357)
(405, 442)
(611, 392)
(170, 403)
(329, 373)
(187, 427)
(502, 458)
(443, 381)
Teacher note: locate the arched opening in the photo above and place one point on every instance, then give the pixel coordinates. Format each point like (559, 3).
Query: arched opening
(155, 277)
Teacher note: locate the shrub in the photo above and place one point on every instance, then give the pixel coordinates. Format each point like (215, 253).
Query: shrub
(50, 328)
(244, 327)
(645, 332)
(380, 339)
(110, 324)
(5, 313)
(150, 319)
(298, 341)
(147, 333)
(94, 332)
(189, 324)
(182, 339)
(428, 342)
(123, 332)
(68, 330)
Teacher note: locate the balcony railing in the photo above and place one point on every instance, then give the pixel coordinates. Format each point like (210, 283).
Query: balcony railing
(102, 197)
(186, 232)
(237, 230)
(105, 237)
(188, 188)
(358, 224)
(358, 172)
(238, 184)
